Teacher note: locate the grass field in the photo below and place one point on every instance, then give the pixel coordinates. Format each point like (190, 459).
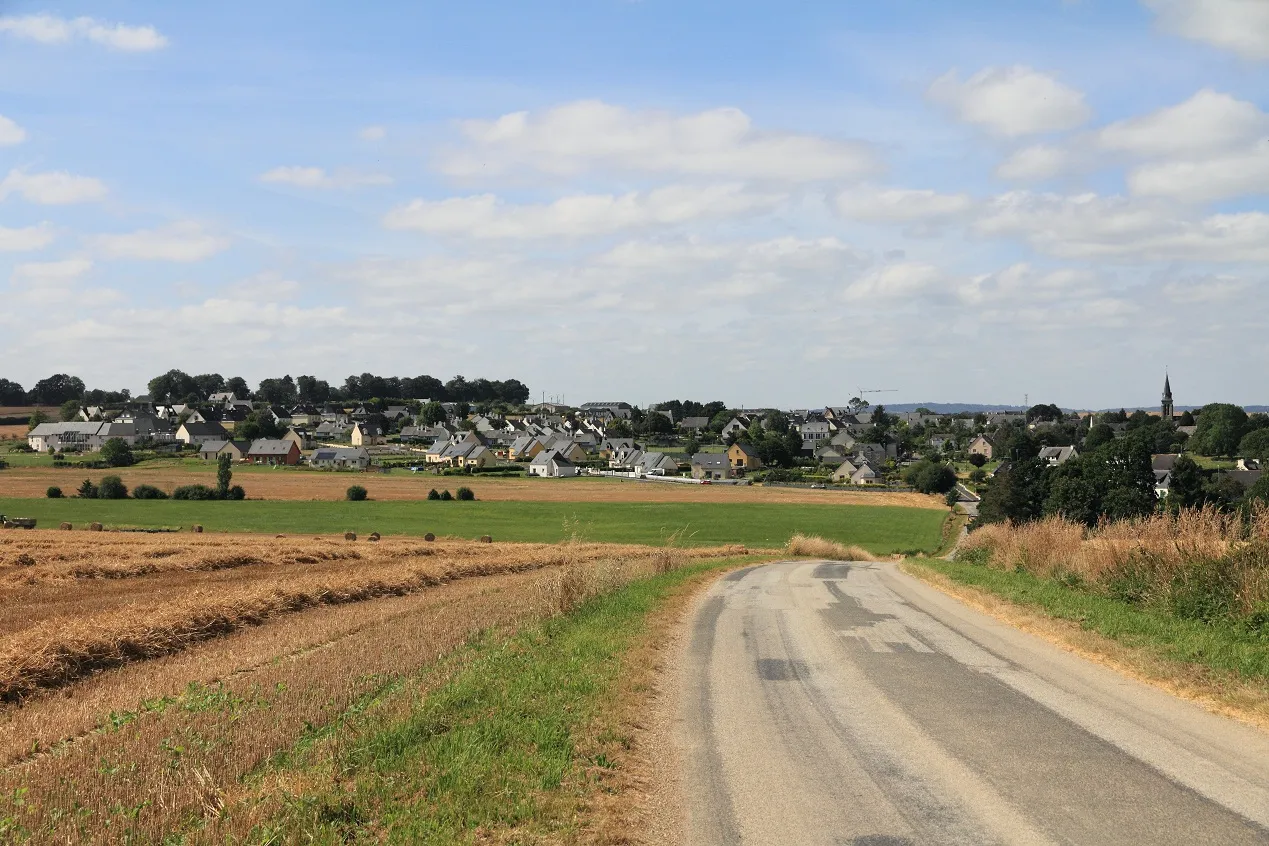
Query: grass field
(880, 529)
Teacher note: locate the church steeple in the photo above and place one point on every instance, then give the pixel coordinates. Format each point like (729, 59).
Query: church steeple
(1167, 397)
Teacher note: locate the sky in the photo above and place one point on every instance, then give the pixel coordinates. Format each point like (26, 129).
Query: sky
(771, 204)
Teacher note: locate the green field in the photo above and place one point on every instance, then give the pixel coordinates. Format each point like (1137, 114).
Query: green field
(880, 529)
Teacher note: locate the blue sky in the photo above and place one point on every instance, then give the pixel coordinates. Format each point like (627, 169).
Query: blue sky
(762, 203)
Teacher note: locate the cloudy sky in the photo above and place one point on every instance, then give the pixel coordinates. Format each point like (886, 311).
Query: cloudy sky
(765, 203)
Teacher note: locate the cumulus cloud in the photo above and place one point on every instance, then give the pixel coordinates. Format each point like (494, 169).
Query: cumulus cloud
(487, 216)
(10, 133)
(179, 242)
(1012, 102)
(1093, 226)
(54, 188)
(316, 177)
(590, 135)
(373, 133)
(894, 281)
(50, 29)
(901, 205)
(1034, 164)
(1211, 288)
(1241, 26)
(1239, 174)
(25, 239)
(1208, 122)
(59, 272)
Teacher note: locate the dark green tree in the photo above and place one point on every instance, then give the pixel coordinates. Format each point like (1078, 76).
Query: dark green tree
(224, 475)
(69, 410)
(930, 477)
(238, 387)
(115, 452)
(1099, 435)
(112, 487)
(1185, 488)
(1221, 427)
(1015, 494)
(1255, 445)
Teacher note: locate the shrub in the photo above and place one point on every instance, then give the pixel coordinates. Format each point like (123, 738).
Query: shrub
(148, 492)
(466, 494)
(815, 546)
(356, 493)
(3, 464)
(433, 494)
(237, 493)
(977, 460)
(951, 498)
(198, 492)
(978, 475)
(115, 452)
(54, 492)
(930, 477)
(446, 496)
(87, 490)
(112, 487)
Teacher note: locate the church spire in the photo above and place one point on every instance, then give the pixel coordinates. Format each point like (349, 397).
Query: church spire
(1166, 408)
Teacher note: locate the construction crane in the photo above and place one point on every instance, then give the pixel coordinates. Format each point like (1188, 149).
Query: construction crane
(877, 391)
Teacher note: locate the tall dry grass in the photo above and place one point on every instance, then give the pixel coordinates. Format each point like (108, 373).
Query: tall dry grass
(1198, 556)
(814, 546)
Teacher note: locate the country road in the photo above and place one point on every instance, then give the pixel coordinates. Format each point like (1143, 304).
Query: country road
(832, 703)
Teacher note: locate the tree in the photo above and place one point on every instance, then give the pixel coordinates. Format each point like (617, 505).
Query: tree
(1044, 413)
(112, 487)
(115, 452)
(87, 490)
(931, 477)
(37, 417)
(618, 429)
(1116, 482)
(1221, 427)
(1224, 492)
(172, 386)
(772, 450)
(1186, 419)
(11, 393)
(312, 390)
(355, 493)
(691, 446)
(1259, 492)
(1015, 493)
(57, 389)
(1100, 435)
(977, 460)
(1255, 445)
(1185, 488)
(238, 387)
(856, 405)
(657, 423)
(208, 384)
(224, 475)
(69, 410)
(278, 391)
(432, 413)
(258, 424)
(776, 421)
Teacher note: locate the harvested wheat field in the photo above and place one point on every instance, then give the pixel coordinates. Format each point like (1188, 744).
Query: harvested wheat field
(143, 677)
(28, 482)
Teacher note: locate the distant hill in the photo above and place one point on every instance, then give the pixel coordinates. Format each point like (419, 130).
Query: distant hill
(957, 407)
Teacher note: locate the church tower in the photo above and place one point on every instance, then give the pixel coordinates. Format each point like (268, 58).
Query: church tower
(1167, 398)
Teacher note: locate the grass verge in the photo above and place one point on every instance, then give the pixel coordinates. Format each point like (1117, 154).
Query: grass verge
(512, 747)
(1221, 665)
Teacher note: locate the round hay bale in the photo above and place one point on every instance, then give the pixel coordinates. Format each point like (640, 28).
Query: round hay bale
(351, 536)
(94, 527)
(279, 536)
(486, 539)
(66, 527)
(197, 528)
(373, 536)
(429, 537)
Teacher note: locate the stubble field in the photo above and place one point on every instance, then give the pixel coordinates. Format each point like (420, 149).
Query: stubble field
(147, 682)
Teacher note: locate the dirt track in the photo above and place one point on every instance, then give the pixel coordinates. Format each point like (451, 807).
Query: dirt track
(402, 485)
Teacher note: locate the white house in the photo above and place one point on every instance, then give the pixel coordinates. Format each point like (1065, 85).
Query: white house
(550, 464)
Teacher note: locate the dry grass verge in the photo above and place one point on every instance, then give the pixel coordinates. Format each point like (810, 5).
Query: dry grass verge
(813, 546)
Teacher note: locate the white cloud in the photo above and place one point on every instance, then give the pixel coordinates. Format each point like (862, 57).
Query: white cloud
(894, 282)
(54, 188)
(373, 133)
(1208, 122)
(588, 135)
(1213, 288)
(1238, 174)
(1011, 101)
(25, 239)
(1034, 164)
(1091, 226)
(49, 29)
(901, 205)
(316, 177)
(1241, 26)
(10, 133)
(487, 216)
(54, 272)
(180, 242)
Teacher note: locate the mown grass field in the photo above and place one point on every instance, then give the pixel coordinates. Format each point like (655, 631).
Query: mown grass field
(882, 530)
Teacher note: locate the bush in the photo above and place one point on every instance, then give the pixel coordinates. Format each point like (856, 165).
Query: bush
(198, 492)
(356, 493)
(116, 453)
(112, 487)
(237, 493)
(930, 477)
(952, 498)
(53, 492)
(87, 490)
(977, 460)
(148, 492)
(446, 496)
(3, 464)
(466, 495)
(433, 494)
(978, 475)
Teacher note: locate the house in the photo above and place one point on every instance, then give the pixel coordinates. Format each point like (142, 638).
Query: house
(611, 446)
(815, 431)
(76, 435)
(742, 458)
(303, 437)
(845, 473)
(736, 427)
(876, 453)
(326, 431)
(831, 455)
(1246, 478)
(984, 446)
(367, 434)
(526, 448)
(197, 433)
(1162, 483)
(568, 448)
(618, 410)
(221, 398)
(711, 465)
(939, 442)
(656, 464)
(867, 474)
(477, 456)
(1165, 462)
(551, 464)
(307, 416)
(341, 458)
(1055, 456)
(397, 412)
(273, 451)
(694, 424)
(1247, 464)
(212, 450)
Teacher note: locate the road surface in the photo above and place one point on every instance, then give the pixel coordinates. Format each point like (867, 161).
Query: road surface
(833, 703)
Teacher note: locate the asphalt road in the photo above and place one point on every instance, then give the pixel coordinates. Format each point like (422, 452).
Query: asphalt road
(830, 703)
